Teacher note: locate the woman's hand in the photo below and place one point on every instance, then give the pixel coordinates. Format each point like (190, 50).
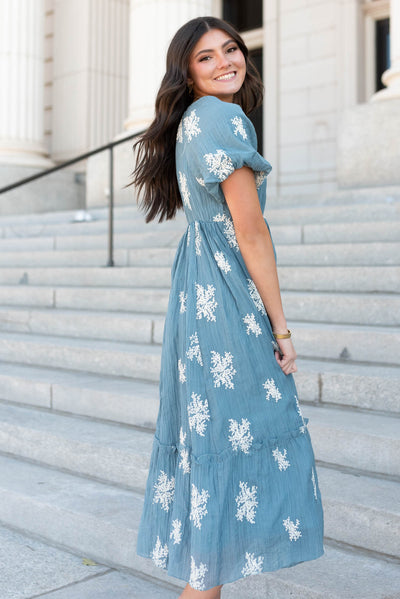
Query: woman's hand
(286, 360)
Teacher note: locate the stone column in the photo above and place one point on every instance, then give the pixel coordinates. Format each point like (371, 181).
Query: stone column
(391, 77)
(152, 26)
(21, 84)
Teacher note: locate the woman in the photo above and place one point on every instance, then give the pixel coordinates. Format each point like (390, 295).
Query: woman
(232, 488)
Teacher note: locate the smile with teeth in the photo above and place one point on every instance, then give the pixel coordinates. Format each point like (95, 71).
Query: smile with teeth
(226, 77)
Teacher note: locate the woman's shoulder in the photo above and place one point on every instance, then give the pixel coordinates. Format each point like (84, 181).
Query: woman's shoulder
(213, 117)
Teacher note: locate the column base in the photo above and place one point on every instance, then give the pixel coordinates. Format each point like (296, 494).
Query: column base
(368, 153)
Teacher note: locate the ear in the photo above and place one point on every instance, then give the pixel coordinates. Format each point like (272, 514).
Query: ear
(189, 81)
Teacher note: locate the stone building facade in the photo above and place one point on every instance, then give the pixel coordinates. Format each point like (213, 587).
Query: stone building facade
(76, 74)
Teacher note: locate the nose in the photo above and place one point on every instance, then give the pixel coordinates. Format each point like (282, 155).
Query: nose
(222, 60)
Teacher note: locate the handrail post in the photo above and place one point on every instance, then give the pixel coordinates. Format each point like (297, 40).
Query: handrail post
(111, 212)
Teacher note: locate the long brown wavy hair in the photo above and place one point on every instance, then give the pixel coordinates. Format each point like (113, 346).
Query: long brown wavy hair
(154, 173)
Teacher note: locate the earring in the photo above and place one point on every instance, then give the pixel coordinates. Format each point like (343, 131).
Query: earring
(190, 87)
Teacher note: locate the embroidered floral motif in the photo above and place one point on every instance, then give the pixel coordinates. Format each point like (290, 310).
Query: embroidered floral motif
(199, 414)
(219, 164)
(176, 531)
(182, 301)
(272, 390)
(239, 128)
(188, 238)
(179, 133)
(252, 325)
(246, 502)
(182, 371)
(255, 296)
(240, 435)
(164, 490)
(206, 303)
(222, 369)
(191, 125)
(184, 463)
(280, 458)
(222, 262)
(194, 349)
(304, 426)
(260, 177)
(184, 190)
(197, 238)
(198, 503)
(197, 575)
(159, 554)
(253, 564)
(292, 529)
(229, 230)
(314, 483)
(201, 181)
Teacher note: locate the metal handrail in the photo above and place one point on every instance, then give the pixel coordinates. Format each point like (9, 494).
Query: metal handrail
(110, 146)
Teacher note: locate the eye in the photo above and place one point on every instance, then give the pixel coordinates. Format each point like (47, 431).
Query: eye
(204, 58)
(232, 48)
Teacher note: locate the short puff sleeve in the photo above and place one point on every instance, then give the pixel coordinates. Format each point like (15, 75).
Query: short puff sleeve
(228, 142)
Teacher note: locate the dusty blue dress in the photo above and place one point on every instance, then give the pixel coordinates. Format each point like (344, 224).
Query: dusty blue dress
(232, 489)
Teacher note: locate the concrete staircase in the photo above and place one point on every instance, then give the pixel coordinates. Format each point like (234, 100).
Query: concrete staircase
(80, 348)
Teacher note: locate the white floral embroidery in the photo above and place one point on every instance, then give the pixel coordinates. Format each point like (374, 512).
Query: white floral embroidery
(240, 435)
(188, 238)
(252, 325)
(246, 502)
(191, 125)
(219, 164)
(182, 301)
(184, 463)
(182, 437)
(201, 181)
(272, 390)
(198, 413)
(253, 564)
(280, 458)
(304, 426)
(179, 133)
(184, 189)
(291, 528)
(255, 296)
(239, 128)
(197, 575)
(194, 349)
(159, 554)
(197, 238)
(222, 262)
(176, 532)
(164, 490)
(206, 303)
(198, 503)
(229, 230)
(222, 369)
(182, 371)
(314, 483)
(260, 177)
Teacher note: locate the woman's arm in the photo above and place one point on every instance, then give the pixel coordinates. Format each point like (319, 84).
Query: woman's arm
(256, 248)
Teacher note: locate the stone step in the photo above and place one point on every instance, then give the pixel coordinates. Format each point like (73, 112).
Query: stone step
(101, 521)
(118, 454)
(330, 342)
(383, 310)
(331, 254)
(114, 326)
(282, 234)
(136, 403)
(357, 279)
(84, 355)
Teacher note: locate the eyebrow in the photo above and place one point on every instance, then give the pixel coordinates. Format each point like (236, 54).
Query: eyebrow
(211, 49)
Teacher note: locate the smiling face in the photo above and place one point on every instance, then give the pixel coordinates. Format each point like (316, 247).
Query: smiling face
(217, 66)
